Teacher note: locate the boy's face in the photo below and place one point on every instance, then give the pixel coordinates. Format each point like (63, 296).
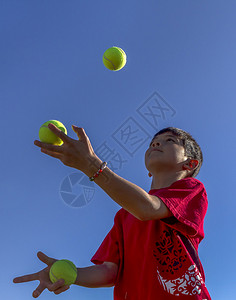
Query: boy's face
(170, 156)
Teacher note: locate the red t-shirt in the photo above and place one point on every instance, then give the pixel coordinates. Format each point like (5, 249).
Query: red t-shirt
(158, 259)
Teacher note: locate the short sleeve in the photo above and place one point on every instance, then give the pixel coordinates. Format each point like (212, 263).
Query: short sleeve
(109, 250)
(187, 200)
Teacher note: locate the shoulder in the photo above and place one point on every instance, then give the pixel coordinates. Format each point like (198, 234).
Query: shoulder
(188, 182)
(123, 217)
(120, 215)
(191, 184)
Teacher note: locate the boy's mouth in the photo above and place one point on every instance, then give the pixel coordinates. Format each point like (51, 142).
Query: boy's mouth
(155, 150)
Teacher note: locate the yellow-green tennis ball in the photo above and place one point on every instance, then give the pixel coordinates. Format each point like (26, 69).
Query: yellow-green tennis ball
(114, 58)
(63, 269)
(47, 136)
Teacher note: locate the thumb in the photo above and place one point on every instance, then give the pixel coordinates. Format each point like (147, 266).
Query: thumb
(46, 259)
(75, 128)
(80, 132)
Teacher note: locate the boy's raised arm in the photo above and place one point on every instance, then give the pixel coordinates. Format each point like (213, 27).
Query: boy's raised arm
(80, 155)
(130, 196)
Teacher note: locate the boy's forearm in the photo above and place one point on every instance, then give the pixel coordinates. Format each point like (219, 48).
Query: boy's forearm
(95, 276)
(128, 195)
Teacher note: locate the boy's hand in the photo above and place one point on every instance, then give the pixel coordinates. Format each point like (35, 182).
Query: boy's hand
(73, 153)
(43, 276)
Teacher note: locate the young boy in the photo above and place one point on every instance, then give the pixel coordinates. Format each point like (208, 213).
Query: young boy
(151, 252)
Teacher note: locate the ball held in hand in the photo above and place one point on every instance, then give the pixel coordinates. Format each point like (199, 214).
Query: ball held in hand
(63, 269)
(114, 58)
(47, 136)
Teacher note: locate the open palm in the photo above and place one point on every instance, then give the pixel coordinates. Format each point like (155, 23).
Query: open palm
(43, 277)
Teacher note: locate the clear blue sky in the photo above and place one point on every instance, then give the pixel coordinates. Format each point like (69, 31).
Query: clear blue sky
(179, 52)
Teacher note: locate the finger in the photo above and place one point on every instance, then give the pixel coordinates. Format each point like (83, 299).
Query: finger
(49, 147)
(41, 287)
(62, 289)
(80, 132)
(26, 278)
(57, 285)
(58, 132)
(53, 154)
(46, 259)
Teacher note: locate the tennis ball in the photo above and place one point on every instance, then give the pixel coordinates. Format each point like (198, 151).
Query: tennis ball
(63, 269)
(114, 58)
(47, 136)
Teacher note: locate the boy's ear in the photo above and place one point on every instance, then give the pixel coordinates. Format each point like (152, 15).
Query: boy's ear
(192, 164)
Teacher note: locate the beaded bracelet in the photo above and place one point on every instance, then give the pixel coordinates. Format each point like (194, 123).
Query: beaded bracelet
(102, 167)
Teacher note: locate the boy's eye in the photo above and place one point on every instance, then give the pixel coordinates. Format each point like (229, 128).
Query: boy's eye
(167, 140)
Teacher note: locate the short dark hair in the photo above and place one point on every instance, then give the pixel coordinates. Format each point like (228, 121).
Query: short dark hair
(192, 149)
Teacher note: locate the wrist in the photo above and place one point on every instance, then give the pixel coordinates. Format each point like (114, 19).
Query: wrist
(93, 165)
(77, 278)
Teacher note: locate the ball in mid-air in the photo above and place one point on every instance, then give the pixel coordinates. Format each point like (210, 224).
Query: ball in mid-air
(47, 136)
(63, 269)
(114, 58)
